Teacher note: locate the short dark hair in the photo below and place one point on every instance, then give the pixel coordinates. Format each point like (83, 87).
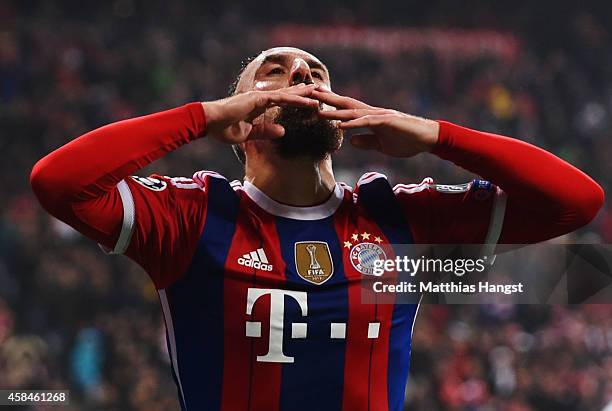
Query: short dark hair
(231, 91)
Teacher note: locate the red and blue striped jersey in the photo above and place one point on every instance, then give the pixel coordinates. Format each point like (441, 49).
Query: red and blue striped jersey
(260, 298)
(262, 301)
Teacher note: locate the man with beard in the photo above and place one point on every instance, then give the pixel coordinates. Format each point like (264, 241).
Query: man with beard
(260, 280)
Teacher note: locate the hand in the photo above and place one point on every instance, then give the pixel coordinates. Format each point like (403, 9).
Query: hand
(391, 132)
(233, 119)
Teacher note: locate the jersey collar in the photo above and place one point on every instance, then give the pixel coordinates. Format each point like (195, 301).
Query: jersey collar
(273, 207)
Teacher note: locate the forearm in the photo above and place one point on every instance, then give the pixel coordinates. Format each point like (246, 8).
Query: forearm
(533, 179)
(94, 163)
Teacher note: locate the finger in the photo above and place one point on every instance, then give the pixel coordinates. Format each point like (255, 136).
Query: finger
(287, 99)
(365, 121)
(338, 101)
(365, 141)
(301, 89)
(352, 114)
(266, 131)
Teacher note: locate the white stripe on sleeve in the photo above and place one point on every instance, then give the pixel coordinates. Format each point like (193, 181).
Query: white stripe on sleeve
(129, 212)
(496, 222)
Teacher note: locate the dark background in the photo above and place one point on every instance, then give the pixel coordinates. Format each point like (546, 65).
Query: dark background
(72, 318)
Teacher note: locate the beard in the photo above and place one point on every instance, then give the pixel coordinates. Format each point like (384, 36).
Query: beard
(306, 134)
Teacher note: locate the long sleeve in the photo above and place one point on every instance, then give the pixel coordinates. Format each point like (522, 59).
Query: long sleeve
(546, 196)
(85, 184)
(94, 163)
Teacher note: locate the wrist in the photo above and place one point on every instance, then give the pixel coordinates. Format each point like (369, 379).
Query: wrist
(431, 134)
(423, 132)
(211, 112)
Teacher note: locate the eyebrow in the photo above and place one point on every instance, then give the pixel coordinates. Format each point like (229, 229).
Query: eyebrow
(281, 59)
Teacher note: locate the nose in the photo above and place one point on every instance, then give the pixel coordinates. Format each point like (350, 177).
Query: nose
(300, 73)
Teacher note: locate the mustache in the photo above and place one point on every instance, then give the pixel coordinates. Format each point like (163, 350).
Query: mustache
(296, 114)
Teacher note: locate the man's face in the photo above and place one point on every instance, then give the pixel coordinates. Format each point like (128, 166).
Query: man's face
(306, 135)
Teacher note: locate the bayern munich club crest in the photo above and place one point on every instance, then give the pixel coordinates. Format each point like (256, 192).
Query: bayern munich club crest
(364, 254)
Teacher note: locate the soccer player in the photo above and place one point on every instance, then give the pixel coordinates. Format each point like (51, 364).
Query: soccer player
(259, 280)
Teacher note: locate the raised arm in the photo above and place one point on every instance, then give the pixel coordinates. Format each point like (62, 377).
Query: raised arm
(156, 221)
(546, 196)
(77, 182)
(87, 170)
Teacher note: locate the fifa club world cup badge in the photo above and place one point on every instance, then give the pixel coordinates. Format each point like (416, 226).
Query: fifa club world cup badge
(313, 261)
(364, 253)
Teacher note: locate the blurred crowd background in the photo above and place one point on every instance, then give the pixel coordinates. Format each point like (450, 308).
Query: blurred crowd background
(72, 318)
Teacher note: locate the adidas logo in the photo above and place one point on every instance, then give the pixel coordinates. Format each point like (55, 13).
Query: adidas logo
(256, 259)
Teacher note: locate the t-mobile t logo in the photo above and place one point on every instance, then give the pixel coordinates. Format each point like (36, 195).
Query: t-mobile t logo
(277, 314)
